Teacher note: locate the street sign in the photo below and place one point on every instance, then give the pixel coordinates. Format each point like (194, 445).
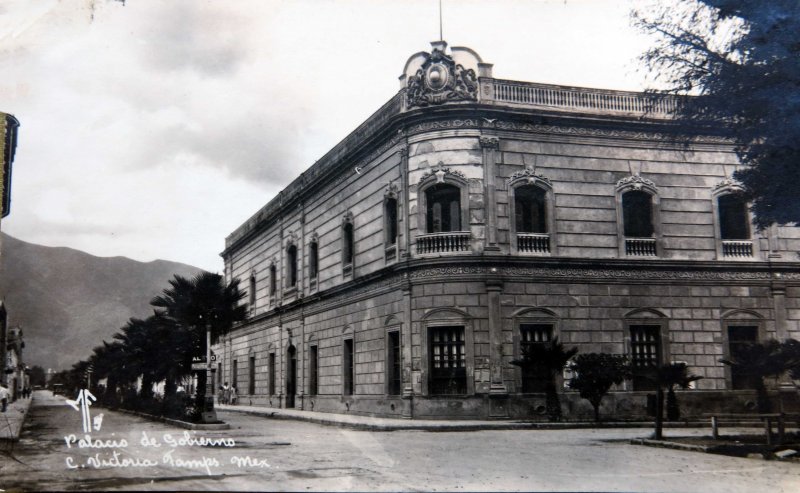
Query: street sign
(198, 366)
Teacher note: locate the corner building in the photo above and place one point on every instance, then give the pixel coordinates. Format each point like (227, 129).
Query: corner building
(469, 216)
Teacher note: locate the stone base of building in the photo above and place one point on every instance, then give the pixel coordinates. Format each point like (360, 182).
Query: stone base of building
(616, 406)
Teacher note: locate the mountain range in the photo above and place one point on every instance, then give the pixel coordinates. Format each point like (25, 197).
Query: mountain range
(68, 301)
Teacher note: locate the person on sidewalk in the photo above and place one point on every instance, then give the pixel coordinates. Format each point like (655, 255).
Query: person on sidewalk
(226, 394)
(4, 396)
(234, 396)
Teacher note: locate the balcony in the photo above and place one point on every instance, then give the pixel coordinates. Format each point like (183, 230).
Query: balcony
(537, 243)
(640, 247)
(391, 253)
(737, 248)
(451, 242)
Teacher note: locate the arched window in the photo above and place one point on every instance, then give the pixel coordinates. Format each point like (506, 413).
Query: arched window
(348, 245)
(637, 214)
(530, 206)
(390, 227)
(731, 213)
(443, 212)
(251, 292)
(733, 218)
(313, 263)
(530, 210)
(273, 279)
(291, 266)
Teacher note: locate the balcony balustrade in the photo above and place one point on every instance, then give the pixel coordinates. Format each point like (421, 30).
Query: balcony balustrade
(640, 247)
(391, 253)
(457, 241)
(533, 243)
(737, 248)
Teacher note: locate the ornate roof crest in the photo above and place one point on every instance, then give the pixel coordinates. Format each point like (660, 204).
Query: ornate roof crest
(440, 172)
(439, 80)
(529, 175)
(636, 182)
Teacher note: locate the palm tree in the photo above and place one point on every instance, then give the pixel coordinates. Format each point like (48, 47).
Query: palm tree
(544, 362)
(188, 309)
(757, 361)
(672, 375)
(667, 376)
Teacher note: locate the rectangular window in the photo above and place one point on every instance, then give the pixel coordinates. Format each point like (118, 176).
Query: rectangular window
(739, 337)
(448, 368)
(219, 374)
(313, 371)
(252, 377)
(645, 354)
(271, 370)
(348, 368)
(529, 336)
(235, 374)
(393, 363)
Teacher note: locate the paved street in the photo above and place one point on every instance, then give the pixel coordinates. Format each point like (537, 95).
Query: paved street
(300, 456)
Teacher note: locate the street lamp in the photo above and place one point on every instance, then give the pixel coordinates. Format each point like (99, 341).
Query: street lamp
(209, 415)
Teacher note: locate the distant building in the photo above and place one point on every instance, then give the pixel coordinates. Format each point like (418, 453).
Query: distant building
(8, 146)
(15, 370)
(471, 216)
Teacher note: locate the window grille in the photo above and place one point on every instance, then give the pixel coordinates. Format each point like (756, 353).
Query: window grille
(448, 360)
(530, 335)
(348, 368)
(313, 370)
(739, 337)
(645, 354)
(395, 378)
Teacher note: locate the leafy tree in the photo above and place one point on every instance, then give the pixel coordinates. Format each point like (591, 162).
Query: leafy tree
(545, 362)
(38, 376)
(742, 57)
(595, 373)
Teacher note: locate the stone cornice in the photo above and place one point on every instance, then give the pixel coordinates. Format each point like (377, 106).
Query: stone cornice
(519, 269)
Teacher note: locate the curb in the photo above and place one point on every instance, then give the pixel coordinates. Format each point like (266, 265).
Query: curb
(445, 426)
(649, 442)
(14, 437)
(177, 422)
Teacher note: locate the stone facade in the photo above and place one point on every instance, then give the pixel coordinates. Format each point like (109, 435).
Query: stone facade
(401, 274)
(8, 146)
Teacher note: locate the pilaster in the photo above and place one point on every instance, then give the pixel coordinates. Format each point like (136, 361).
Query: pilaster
(405, 333)
(490, 145)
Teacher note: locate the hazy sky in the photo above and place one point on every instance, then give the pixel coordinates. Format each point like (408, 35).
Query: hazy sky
(152, 130)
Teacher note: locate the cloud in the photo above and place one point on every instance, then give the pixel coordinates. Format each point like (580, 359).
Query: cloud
(191, 35)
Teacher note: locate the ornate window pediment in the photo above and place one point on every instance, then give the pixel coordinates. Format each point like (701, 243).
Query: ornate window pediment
(529, 177)
(728, 185)
(439, 80)
(636, 182)
(440, 173)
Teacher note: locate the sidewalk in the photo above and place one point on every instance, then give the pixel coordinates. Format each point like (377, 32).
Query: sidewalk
(11, 421)
(357, 422)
